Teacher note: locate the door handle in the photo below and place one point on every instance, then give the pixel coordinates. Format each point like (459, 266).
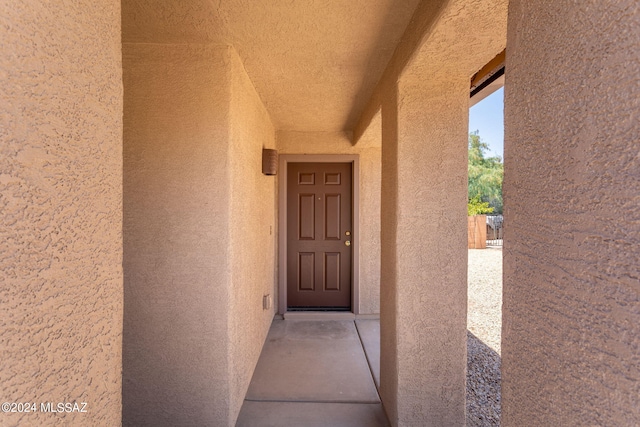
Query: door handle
(347, 243)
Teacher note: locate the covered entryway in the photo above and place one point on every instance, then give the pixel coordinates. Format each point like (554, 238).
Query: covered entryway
(319, 227)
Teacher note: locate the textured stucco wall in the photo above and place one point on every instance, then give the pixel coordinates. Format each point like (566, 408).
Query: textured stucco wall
(199, 234)
(61, 209)
(340, 143)
(388, 257)
(252, 231)
(423, 311)
(571, 310)
(177, 262)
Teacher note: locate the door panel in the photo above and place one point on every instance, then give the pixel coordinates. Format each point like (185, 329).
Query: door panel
(332, 217)
(306, 271)
(319, 215)
(307, 216)
(332, 271)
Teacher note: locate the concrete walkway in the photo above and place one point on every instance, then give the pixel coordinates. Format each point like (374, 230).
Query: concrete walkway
(317, 373)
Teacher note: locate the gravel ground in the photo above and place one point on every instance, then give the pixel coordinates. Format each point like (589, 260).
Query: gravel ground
(484, 322)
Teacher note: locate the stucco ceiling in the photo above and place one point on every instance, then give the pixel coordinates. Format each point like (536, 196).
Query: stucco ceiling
(314, 63)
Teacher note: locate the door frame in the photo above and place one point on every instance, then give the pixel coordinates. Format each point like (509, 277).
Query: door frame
(284, 160)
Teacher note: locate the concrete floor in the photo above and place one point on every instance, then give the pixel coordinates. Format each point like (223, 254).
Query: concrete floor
(317, 373)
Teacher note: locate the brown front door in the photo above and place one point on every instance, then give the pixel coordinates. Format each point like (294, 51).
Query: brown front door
(319, 219)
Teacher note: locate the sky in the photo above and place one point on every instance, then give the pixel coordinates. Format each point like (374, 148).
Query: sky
(487, 117)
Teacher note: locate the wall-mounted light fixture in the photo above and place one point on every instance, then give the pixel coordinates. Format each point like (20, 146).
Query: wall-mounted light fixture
(269, 161)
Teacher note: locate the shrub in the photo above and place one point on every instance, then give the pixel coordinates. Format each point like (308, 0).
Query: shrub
(475, 206)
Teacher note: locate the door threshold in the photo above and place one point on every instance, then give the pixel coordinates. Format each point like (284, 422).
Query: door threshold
(319, 315)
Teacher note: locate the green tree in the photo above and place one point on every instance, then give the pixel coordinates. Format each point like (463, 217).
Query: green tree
(485, 174)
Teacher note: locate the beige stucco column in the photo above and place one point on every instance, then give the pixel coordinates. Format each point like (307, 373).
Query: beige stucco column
(571, 313)
(423, 236)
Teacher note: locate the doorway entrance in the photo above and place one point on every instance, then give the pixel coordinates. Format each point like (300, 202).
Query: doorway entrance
(318, 223)
(319, 219)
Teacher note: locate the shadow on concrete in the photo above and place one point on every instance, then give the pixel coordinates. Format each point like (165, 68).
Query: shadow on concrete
(483, 384)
